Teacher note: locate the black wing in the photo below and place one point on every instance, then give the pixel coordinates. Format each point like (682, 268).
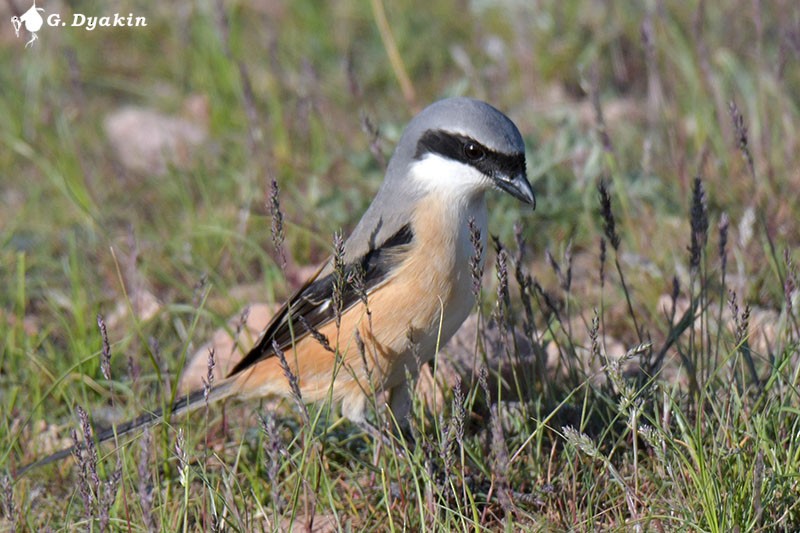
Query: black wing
(313, 306)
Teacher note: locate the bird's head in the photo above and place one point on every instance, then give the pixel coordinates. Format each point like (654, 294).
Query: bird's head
(462, 147)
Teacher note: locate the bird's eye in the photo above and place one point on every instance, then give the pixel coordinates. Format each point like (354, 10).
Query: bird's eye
(473, 152)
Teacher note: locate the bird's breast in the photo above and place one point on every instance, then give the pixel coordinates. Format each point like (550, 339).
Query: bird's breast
(423, 302)
(430, 294)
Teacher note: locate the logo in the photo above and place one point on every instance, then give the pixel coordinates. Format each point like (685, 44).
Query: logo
(33, 21)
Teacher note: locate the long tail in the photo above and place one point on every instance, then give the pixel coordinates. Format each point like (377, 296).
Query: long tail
(188, 403)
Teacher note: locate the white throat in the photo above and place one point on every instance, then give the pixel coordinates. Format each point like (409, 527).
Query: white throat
(459, 188)
(459, 182)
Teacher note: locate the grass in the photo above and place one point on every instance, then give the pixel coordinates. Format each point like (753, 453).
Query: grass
(636, 361)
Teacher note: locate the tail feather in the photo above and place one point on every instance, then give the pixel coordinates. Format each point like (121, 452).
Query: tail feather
(188, 403)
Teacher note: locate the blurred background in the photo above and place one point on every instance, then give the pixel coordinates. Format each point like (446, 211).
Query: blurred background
(161, 141)
(136, 162)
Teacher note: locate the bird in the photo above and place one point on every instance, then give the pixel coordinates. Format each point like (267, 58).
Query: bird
(401, 284)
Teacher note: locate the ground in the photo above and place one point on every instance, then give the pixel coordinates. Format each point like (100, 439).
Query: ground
(633, 362)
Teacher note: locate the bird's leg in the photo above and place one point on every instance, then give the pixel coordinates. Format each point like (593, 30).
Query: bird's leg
(381, 438)
(400, 407)
(400, 402)
(375, 432)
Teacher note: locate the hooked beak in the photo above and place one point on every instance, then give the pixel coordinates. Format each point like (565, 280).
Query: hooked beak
(517, 186)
